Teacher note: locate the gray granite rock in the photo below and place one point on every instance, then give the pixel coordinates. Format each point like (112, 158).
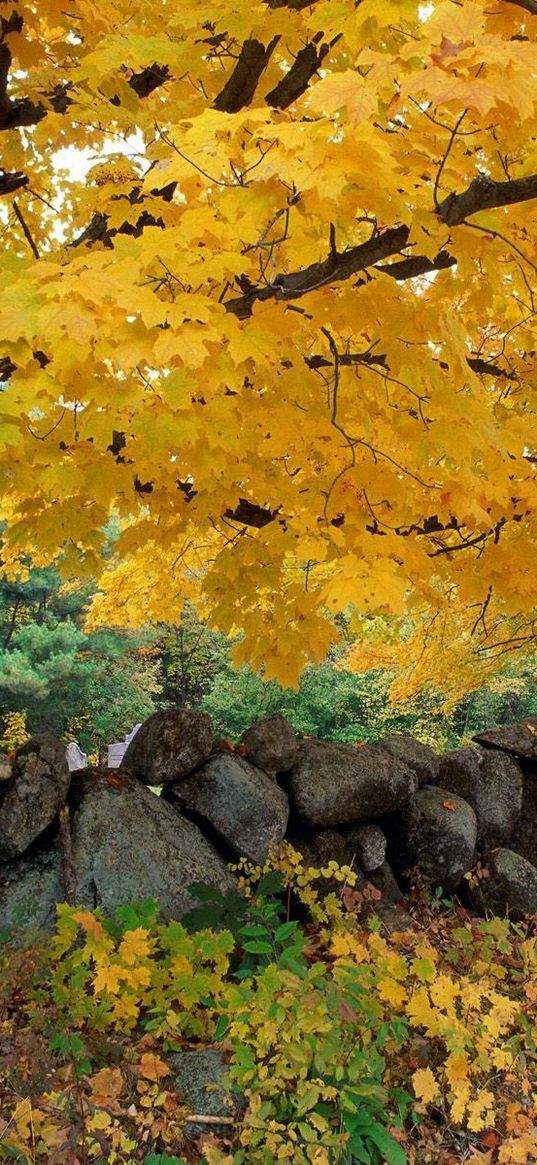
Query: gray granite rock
(169, 746)
(417, 756)
(244, 805)
(271, 744)
(438, 836)
(511, 888)
(30, 801)
(334, 784)
(491, 781)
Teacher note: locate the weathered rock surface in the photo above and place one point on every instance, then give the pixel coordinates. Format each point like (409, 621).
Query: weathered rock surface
(244, 805)
(5, 768)
(417, 756)
(333, 784)
(491, 781)
(519, 739)
(201, 1076)
(439, 833)
(129, 844)
(169, 746)
(368, 843)
(511, 887)
(271, 744)
(30, 887)
(30, 801)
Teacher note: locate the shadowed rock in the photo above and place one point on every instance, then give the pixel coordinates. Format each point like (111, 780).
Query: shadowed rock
(491, 782)
(439, 832)
(511, 887)
(30, 801)
(169, 746)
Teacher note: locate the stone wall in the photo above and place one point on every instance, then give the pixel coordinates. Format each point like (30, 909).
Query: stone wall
(395, 811)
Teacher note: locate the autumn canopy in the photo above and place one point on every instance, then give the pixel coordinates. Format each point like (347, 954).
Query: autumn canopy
(281, 323)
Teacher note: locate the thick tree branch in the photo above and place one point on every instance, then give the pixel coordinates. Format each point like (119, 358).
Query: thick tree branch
(528, 5)
(418, 265)
(336, 267)
(240, 87)
(305, 65)
(484, 194)
(9, 182)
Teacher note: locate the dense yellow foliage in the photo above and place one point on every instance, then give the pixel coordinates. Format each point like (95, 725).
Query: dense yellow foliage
(284, 327)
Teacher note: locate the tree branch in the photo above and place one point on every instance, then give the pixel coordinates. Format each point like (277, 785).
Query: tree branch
(336, 267)
(240, 87)
(9, 182)
(305, 65)
(528, 5)
(250, 514)
(418, 265)
(484, 194)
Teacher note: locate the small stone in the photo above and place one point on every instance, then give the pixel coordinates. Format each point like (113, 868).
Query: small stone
(169, 746)
(271, 744)
(201, 1077)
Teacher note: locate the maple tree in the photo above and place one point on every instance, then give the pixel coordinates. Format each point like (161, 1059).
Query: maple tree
(284, 327)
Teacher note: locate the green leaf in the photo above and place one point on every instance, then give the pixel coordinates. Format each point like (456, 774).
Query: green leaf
(284, 931)
(257, 947)
(391, 1150)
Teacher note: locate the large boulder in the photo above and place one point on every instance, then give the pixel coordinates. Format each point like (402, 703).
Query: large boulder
(30, 800)
(333, 784)
(438, 836)
(519, 739)
(524, 838)
(169, 746)
(491, 782)
(30, 888)
(511, 885)
(417, 756)
(271, 744)
(244, 805)
(128, 844)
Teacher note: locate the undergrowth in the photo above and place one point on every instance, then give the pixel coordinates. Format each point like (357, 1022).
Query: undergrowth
(343, 1044)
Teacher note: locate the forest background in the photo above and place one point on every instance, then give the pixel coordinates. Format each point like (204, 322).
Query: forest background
(94, 686)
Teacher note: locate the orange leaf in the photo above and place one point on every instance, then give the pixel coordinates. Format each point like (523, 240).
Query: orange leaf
(152, 1067)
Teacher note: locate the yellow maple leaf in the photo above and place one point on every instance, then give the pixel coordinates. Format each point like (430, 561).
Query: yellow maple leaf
(134, 945)
(425, 1085)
